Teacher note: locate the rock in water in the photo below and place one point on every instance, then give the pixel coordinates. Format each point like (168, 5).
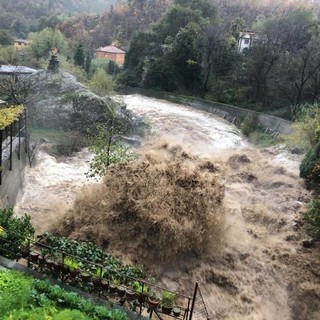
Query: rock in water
(58, 100)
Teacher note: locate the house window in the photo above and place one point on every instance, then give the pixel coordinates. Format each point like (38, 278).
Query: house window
(246, 41)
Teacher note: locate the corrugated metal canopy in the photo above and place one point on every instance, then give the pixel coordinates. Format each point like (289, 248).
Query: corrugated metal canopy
(9, 69)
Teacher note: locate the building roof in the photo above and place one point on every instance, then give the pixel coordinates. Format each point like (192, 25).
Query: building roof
(9, 69)
(21, 40)
(111, 49)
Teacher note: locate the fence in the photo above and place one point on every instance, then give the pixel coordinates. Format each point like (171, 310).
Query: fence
(124, 293)
(11, 138)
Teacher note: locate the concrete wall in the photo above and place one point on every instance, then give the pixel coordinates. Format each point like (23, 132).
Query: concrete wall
(233, 114)
(13, 181)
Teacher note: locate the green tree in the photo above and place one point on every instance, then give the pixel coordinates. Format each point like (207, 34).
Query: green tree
(107, 148)
(5, 38)
(101, 83)
(218, 56)
(79, 57)
(169, 56)
(42, 42)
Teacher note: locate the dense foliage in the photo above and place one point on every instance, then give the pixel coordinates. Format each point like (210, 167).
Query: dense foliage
(26, 298)
(184, 46)
(307, 128)
(15, 233)
(93, 255)
(190, 50)
(9, 115)
(107, 148)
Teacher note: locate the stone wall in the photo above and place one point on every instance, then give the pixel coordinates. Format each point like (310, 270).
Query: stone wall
(13, 181)
(233, 114)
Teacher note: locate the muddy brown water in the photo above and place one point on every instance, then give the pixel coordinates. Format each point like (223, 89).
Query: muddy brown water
(259, 270)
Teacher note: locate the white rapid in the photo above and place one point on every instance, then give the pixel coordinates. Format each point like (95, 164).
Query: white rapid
(51, 185)
(197, 130)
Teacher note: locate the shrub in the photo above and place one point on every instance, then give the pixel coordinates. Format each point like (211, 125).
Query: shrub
(14, 291)
(17, 233)
(313, 214)
(310, 168)
(71, 315)
(249, 124)
(101, 83)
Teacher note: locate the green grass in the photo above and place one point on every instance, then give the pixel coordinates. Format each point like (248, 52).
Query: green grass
(50, 134)
(25, 298)
(262, 140)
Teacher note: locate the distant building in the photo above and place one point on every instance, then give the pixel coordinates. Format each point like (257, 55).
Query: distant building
(20, 44)
(247, 39)
(111, 53)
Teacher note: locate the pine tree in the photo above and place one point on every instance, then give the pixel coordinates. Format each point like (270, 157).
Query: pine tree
(79, 57)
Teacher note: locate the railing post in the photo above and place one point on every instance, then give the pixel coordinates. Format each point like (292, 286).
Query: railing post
(26, 142)
(193, 300)
(28, 259)
(19, 147)
(1, 168)
(11, 142)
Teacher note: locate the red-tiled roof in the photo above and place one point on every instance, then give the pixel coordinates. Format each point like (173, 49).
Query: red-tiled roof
(110, 49)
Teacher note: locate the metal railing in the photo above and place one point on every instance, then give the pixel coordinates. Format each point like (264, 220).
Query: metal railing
(11, 138)
(100, 284)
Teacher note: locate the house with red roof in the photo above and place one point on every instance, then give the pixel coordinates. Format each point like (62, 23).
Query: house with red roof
(111, 53)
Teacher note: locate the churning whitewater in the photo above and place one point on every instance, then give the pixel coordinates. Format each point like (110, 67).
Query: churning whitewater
(232, 213)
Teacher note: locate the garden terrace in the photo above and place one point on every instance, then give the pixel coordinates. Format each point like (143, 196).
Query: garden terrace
(24, 297)
(86, 267)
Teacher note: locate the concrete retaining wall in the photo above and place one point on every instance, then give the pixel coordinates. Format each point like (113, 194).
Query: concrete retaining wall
(233, 114)
(13, 181)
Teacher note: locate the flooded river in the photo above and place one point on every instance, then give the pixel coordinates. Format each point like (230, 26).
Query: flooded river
(261, 271)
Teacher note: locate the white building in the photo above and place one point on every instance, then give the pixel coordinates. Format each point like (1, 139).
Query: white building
(246, 40)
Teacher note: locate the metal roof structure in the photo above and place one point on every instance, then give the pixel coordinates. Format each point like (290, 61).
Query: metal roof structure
(9, 69)
(21, 41)
(111, 49)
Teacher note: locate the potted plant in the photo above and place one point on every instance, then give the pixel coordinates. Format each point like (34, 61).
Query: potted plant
(85, 276)
(71, 266)
(153, 301)
(141, 290)
(121, 291)
(176, 311)
(49, 263)
(25, 250)
(114, 284)
(57, 267)
(96, 279)
(130, 294)
(104, 284)
(34, 256)
(41, 261)
(167, 301)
